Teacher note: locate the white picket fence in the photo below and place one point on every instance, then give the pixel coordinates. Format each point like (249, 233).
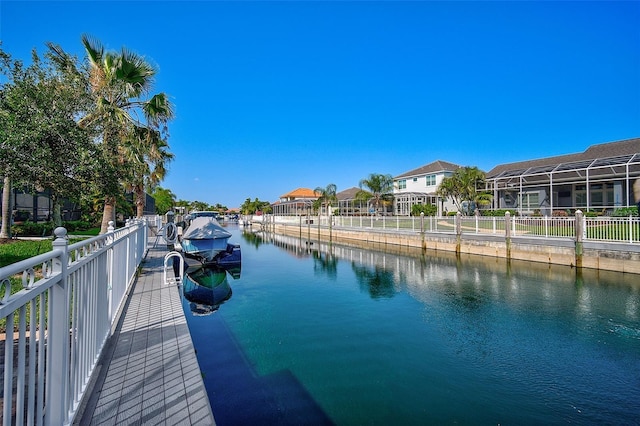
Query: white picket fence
(609, 229)
(58, 323)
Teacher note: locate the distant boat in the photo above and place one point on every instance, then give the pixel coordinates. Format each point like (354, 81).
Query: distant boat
(204, 239)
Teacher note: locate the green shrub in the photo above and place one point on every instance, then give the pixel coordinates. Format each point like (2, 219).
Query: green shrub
(498, 213)
(427, 209)
(45, 229)
(625, 212)
(31, 229)
(76, 225)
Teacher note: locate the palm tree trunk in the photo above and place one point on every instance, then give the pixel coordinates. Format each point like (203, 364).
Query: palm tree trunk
(108, 213)
(140, 201)
(5, 231)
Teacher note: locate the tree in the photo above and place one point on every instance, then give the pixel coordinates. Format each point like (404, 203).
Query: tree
(251, 207)
(147, 156)
(119, 83)
(462, 188)
(165, 199)
(327, 196)
(379, 188)
(41, 144)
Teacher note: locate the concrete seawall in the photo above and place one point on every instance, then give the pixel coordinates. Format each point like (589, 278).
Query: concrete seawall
(617, 257)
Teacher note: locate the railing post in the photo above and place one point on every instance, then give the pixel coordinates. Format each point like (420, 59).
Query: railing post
(58, 336)
(110, 265)
(477, 220)
(546, 226)
(580, 233)
(507, 232)
(458, 232)
(422, 230)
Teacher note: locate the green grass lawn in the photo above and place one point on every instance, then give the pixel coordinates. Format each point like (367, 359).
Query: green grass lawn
(12, 251)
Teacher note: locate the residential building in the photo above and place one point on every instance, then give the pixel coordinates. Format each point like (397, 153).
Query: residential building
(419, 186)
(599, 179)
(298, 202)
(348, 205)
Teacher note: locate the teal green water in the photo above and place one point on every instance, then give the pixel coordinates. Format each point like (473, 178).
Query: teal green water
(338, 335)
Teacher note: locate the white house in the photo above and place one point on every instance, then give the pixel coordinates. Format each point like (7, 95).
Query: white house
(419, 186)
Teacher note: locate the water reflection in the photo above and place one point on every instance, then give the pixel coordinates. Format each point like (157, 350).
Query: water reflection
(469, 281)
(377, 281)
(325, 263)
(206, 288)
(395, 335)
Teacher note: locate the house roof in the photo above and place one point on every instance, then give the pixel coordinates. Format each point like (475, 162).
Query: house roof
(301, 193)
(435, 167)
(347, 194)
(623, 148)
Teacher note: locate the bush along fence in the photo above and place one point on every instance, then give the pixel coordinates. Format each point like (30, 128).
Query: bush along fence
(57, 323)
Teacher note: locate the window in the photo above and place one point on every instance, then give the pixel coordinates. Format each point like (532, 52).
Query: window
(581, 195)
(431, 180)
(402, 184)
(530, 200)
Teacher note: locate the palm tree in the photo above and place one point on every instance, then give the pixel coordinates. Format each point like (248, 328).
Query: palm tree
(379, 188)
(147, 157)
(327, 196)
(119, 83)
(462, 187)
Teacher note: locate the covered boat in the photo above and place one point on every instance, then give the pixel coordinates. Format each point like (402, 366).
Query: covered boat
(204, 239)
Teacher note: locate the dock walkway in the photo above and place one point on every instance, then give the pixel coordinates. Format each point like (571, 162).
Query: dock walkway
(149, 373)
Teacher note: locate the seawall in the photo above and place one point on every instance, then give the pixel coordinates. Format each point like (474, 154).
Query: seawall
(617, 257)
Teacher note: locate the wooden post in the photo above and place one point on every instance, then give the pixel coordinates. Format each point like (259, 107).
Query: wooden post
(423, 245)
(458, 232)
(579, 238)
(507, 232)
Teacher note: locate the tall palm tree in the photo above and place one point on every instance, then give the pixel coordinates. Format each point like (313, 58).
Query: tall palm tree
(379, 188)
(119, 83)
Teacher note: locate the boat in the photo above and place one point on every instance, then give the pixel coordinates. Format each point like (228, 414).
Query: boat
(206, 288)
(204, 239)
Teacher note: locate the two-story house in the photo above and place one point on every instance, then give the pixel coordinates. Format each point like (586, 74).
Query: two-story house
(419, 186)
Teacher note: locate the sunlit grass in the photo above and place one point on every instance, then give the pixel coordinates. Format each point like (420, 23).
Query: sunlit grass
(13, 251)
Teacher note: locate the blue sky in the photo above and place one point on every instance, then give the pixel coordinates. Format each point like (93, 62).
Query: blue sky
(272, 96)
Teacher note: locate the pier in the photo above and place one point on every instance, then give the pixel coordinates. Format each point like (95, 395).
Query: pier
(149, 373)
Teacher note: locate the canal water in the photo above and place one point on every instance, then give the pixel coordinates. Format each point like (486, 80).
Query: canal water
(310, 333)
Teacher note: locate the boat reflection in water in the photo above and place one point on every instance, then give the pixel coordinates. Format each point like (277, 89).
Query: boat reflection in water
(206, 288)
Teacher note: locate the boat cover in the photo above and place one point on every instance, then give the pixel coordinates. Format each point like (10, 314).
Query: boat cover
(205, 228)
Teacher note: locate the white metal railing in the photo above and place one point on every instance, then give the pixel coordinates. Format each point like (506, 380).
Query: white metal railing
(548, 227)
(58, 323)
(613, 229)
